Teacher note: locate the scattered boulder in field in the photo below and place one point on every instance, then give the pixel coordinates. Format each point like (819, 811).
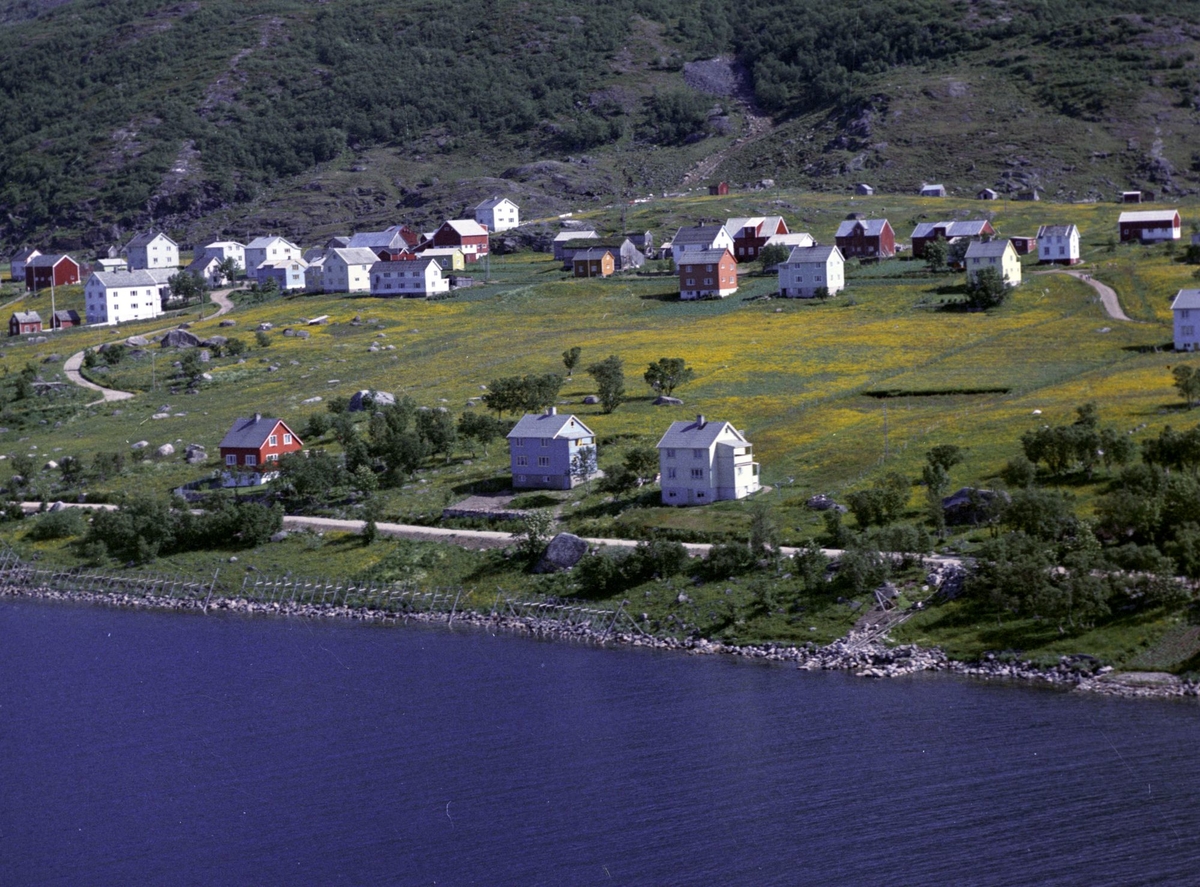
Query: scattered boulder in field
(564, 551)
(265, 325)
(51, 465)
(180, 339)
(205, 355)
(228, 323)
(591, 399)
(821, 502)
(140, 445)
(164, 451)
(136, 341)
(195, 454)
(664, 400)
(366, 399)
(971, 506)
(316, 399)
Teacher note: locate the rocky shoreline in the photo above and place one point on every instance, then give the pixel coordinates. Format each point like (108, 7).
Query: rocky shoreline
(854, 654)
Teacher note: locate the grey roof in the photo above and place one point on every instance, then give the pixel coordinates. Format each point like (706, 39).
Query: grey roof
(551, 425)
(264, 242)
(588, 255)
(493, 203)
(26, 254)
(27, 317)
(871, 227)
(252, 432)
(807, 254)
(695, 434)
(988, 249)
(47, 261)
(144, 239)
(124, 278)
(1057, 230)
(966, 228)
(1186, 299)
(422, 261)
(389, 239)
(70, 315)
(697, 234)
(203, 260)
(703, 256)
(574, 234)
(1149, 215)
(355, 255)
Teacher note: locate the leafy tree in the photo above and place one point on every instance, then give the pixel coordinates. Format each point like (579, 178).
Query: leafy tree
(436, 428)
(1174, 449)
(571, 359)
(642, 462)
(725, 560)
(862, 567)
(675, 115)
(1041, 514)
(481, 428)
(1019, 472)
(1187, 382)
(667, 374)
(987, 289)
(311, 476)
(261, 337)
(764, 533)
(821, 293)
(229, 269)
(235, 347)
(531, 393)
(583, 464)
(1116, 448)
(882, 503)
(186, 287)
(114, 353)
(190, 366)
(534, 535)
(935, 256)
(771, 255)
(944, 455)
(610, 382)
(107, 465)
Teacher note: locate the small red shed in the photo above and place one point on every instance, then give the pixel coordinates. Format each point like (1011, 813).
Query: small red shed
(24, 322)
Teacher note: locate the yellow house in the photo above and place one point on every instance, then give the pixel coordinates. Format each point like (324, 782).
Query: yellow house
(998, 254)
(449, 257)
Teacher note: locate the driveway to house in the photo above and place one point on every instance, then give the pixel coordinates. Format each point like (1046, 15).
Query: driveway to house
(73, 363)
(1107, 294)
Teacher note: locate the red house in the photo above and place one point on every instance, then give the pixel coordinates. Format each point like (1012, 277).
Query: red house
(250, 448)
(750, 234)
(1149, 225)
(64, 320)
(23, 322)
(719, 189)
(466, 234)
(707, 274)
(927, 232)
(45, 271)
(866, 239)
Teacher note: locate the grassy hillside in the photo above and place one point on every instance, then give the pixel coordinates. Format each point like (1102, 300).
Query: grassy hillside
(223, 118)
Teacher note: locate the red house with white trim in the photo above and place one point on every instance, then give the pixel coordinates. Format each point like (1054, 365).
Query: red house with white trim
(866, 239)
(750, 234)
(41, 272)
(1149, 225)
(251, 449)
(466, 234)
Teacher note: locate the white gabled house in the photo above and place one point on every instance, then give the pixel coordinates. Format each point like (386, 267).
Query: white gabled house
(206, 266)
(348, 270)
(498, 214)
(288, 274)
(228, 249)
(544, 447)
(120, 296)
(997, 254)
(1186, 309)
(411, 278)
(702, 461)
(809, 268)
(269, 249)
(1058, 244)
(152, 250)
(19, 261)
(701, 238)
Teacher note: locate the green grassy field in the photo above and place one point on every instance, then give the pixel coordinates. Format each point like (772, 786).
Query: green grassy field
(795, 375)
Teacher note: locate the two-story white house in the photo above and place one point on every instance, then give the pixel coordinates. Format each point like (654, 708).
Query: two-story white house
(348, 270)
(498, 214)
(411, 278)
(228, 249)
(809, 268)
(701, 238)
(702, 461)
(206, 266)
(269, 249)
(1058, 244)
(119, 296)
(997, 254)
(152, 250)
(544, 449)
(1186, 309)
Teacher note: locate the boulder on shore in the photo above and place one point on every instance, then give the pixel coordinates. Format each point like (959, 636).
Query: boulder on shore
(564, 551)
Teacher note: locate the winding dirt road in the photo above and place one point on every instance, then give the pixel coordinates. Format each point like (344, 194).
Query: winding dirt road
(1108, 296)
(107, 395)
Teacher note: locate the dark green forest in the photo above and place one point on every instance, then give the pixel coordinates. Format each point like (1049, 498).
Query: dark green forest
(99, 100)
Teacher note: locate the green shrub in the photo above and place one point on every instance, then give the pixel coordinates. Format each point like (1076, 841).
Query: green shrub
(61, 524)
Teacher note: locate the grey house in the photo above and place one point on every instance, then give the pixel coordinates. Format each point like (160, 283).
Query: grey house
(625, 251)
(542, 447)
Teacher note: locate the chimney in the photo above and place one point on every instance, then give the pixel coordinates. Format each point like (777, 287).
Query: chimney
(258, 417)
(699, 420)
(551, 411)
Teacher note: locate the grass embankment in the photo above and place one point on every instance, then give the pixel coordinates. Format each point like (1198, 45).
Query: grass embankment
(802, 378)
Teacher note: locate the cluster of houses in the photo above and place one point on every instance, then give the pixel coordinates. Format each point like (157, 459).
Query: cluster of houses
(700, 461)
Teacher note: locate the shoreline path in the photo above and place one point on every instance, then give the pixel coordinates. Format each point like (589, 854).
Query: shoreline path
(107, 395)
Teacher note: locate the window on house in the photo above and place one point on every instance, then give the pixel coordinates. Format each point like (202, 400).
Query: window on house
(231, 459)
(522, 460)
(691, 281)
(543, 461)
(698, 453)
(708, 281)
(670, 452)
(252, 460)
(671, 473)
(273, 440)
(272, 457)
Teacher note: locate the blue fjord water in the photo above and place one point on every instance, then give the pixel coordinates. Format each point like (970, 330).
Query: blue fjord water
(160, 748)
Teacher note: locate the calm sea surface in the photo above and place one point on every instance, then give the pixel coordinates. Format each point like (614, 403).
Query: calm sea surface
(144, 748)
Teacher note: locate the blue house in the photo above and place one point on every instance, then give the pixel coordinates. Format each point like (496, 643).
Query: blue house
(543, 447)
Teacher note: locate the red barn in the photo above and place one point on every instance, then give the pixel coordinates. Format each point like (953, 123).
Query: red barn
(866, 239)
(23, 322)
(719, 189)
(1147, 225)
(45, 271)
(466, 234)
(750, 234)
(251, 446)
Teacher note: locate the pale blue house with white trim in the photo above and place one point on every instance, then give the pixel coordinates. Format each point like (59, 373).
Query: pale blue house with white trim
(542, 448)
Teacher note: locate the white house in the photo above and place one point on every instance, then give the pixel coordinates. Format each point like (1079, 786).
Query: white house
(288, 274)
(809, 268)
(1058, 244)
(314, 274)
(997, 254)
(933, 190)
(413, 278)
(120, 296)
(1186, 309)
(228, 249)
(545, 448)
(702, 461)
(269, 249)
(700, 238)
(348, 270)
(19, 261)
(206, 266)
(152, 250)
(498, 214)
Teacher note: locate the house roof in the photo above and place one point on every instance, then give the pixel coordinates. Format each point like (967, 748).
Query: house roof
(564, 236)
(493, 203)
(147, 238)
(223, 244)
(422, 263)
(1057, 230)
(27, 317)
(592, 255)
(700, 433)
(1186, 299)
(70, 315)
(466, 227)
(771, 224)
(988, 249)
(203, 261)
(441, 251)
(932, 188)
(283, 263)
(551, 425)
(1149, 215)
(704, 256)
(47, 261)
(389, 239)
(810, 254)
(965, 228)
(26, 254)
(698, 235)
(871, 227)
(354, 255)
(795, 238)
(252, 433)
(266, 241)
(124, 278)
